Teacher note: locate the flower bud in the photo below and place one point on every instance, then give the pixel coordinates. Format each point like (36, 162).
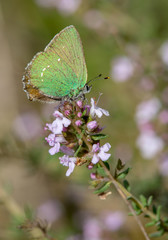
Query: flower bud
(92, 125)
(78, 123)
(79, 103)
(79, 114)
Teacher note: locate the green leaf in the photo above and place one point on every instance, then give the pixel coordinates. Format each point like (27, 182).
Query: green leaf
(158, 212)
(143, 200)
(123, 174)
(120, 165)
(165, 220)
(107, 165)
(84, 112)
(154, 209)
(138, 212)
(77, 151)
(150, 224)
(157, 234)
(130, 214)
(97, 137)
(29, 212)
(101, 171)
(135, 206)
(103, 188)
(149, 200)
(126, 185)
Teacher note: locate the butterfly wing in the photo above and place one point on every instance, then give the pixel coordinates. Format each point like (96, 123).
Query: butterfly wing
(57, 71)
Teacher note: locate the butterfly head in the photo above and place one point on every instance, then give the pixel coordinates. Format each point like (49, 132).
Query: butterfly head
(80, 93)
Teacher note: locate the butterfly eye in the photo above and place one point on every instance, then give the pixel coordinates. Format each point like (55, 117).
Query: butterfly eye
(88, 88)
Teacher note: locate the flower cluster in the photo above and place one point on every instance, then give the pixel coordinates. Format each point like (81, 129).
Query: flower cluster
(76, 133)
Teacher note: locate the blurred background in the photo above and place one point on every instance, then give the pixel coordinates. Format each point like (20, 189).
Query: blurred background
(124, 39)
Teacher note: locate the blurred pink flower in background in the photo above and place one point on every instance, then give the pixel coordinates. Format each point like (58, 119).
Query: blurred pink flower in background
(163, 51)
(65, 7)
(113, 221)
(50, 210)
(165, 95)
(149, 144)
(92, 229)
(147, 110)
(163, 165)
(147, 84)
(93, 19)
(163, 116)
(27, 126)
(122, 68)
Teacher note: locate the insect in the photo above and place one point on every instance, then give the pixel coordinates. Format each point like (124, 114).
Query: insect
(59, 72)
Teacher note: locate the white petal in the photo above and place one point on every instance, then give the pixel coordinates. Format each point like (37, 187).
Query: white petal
(95, 147)
(49, 125)
(95, 159)
(98, 112)
(58, 126)
(105, 112)
(66, 122)
(104, 156)
(92, 102)
(57, 114)
(106, 147)
(60, 139)
(54, 149)
(70, 169)
(64, 160)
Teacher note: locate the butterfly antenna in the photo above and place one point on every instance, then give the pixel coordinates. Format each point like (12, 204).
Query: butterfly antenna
(96, 78)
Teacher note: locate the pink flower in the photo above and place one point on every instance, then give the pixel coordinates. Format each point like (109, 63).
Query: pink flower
(92, 125)
(147, 110)
(113, 221)
(50, 210)
(79, 114)
(93, 176)
(163, 117)
(78, 123)
(122, 68)
(54, 141)
(79, 103)
(96, 111)
(100, 152)
(149, 144)
(164, 53)
(68, 162)
(59, 123)
(67, 112)
(92, 229)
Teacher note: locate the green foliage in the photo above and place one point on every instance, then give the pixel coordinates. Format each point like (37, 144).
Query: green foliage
(143, 200)
(98, 137)
(103, 188)
(29, 213)
(126, 185)
(119, 172)
(101, 172)
(123, 174)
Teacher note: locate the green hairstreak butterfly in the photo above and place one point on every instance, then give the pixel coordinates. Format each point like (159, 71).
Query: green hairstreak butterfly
(59, 72)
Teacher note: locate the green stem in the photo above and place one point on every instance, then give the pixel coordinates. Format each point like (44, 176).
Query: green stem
(122, 191)
(127, 195)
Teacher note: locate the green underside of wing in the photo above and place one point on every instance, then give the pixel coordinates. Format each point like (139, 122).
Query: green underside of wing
(61, 67)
